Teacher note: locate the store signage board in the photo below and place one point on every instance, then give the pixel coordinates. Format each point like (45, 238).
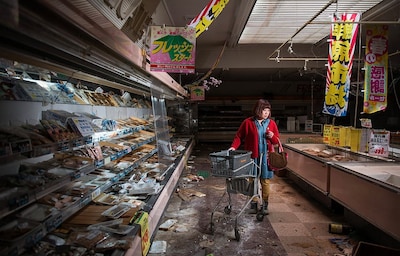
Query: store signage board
(376, 68)
(212, 10)
(379, 143)
(197, 93)
(327, 133)
(340, 61)
(173, 49)
(81, 125)
(335, 136)
(142, 219)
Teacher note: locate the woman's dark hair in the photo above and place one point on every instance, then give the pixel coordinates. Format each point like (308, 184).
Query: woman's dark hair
(260, 105)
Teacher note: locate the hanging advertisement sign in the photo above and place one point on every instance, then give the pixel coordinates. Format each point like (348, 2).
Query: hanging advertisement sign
(197, 93)
(376, 66)
(340, 61)
(202, 21)
(379, 143)
(172, 49)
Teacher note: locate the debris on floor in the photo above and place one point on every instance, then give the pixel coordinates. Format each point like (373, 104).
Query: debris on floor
(158, 247)
(343, 244)
(186, 193)
(193, 177)
(168, 224)
(204, 174)
(181, 229)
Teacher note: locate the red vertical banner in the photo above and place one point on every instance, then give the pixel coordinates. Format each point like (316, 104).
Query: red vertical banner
(376, 67)
(340, 62)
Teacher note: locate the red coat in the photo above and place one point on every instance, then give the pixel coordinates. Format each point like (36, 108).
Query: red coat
(247, 133)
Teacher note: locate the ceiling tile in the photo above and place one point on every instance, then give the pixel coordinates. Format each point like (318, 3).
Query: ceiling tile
(276, 21)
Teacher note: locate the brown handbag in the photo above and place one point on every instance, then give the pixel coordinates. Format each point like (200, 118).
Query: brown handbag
(277, 160)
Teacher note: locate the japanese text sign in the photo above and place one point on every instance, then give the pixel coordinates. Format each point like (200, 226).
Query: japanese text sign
(376, 63)
(173, 49)
(379, 143)
(340, 62)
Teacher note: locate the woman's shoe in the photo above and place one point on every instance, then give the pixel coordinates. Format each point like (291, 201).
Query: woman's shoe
(264, 208)
(253, 207)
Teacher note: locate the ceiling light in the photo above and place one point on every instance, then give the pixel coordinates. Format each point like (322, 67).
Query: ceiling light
(277, 56)
(290, 48)
(305, 65)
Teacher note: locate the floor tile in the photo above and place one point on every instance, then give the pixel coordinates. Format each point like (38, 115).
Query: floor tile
(312, 216)
(282, 217)
(278, 207)
(290, 229)
(306, 245)
(296, 226)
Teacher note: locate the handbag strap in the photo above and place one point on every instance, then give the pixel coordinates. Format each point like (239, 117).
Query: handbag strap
(279, 142)
(280, 147)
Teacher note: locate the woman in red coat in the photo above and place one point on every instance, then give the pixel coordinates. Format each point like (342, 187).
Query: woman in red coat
(259, 134)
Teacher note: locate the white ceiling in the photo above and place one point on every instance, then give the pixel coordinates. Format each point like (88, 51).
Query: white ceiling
(220, 51)
(253, 35)
(277, 21)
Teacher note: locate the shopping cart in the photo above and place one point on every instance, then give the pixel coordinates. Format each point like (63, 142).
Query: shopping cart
(242, 176)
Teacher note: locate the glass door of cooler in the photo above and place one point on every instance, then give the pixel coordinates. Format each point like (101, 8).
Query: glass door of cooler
(161, 128)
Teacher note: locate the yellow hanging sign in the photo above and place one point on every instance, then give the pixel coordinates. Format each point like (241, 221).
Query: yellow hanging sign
(202, 21)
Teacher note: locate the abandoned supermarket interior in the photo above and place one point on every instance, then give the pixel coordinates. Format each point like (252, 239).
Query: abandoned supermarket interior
(202, 128)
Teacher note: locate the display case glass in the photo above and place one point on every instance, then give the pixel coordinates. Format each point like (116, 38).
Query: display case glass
(161, 129)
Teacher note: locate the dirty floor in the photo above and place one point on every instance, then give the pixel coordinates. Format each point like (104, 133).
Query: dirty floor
(296, 225)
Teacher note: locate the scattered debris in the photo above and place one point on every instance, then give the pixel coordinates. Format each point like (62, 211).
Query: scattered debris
(343, 244)
(192, 177)
(206, 243)
(158, 247)
(181, 229)
(168, 224)
(204, 174)
(186, 193)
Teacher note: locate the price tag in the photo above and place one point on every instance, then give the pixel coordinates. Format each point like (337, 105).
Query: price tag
(379, 143)
(96, 193)
(327, 133)
(335, 136)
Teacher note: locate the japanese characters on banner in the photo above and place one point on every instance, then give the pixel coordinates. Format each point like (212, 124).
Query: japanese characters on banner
(202, 21)
(340, 61)
(173, 49)
(376, 63)
(379, 143)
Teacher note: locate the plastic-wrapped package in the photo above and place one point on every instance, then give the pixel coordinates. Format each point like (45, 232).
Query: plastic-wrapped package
(113, 243)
